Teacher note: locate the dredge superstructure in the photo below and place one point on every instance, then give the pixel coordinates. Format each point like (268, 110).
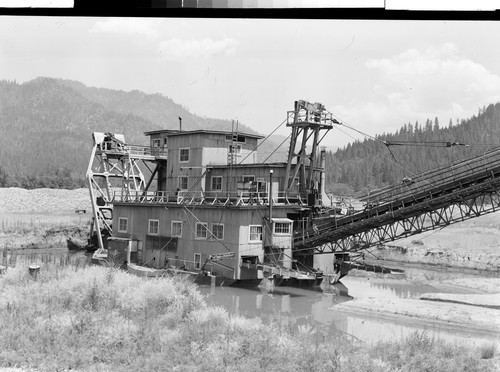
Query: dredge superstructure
(203, 203)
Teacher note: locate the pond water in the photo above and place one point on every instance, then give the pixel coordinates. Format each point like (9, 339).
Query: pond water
(317, 307)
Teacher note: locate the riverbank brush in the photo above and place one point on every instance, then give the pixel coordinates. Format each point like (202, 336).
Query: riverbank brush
(84, 319)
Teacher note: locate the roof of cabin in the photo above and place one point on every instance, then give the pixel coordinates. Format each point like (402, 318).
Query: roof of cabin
(173, 132)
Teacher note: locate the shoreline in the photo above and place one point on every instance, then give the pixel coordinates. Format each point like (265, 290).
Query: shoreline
(447, 316)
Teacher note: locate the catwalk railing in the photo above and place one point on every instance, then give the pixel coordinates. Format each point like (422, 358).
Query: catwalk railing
(429, 201)
(240, 198)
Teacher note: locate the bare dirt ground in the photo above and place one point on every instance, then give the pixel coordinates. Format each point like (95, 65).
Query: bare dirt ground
(14, 199)
(43, 218)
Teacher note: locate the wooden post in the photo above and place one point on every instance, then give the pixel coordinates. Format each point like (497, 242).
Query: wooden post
(34, 270)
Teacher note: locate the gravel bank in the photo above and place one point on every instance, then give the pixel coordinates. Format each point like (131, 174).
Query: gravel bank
(448, 315)
(491, 301)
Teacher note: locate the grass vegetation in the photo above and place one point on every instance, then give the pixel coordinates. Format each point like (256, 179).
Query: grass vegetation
(101, 319)
(33, 223)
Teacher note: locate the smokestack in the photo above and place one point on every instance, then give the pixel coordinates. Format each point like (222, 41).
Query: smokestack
(180, 124)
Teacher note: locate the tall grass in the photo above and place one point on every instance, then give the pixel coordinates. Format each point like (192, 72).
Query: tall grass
(23, 223)
(86, 319)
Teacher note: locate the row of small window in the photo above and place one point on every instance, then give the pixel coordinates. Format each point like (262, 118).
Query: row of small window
(157, 142)
(230, 138)
(216, 182)
(279, 228)
(201, 229)
(184, 152)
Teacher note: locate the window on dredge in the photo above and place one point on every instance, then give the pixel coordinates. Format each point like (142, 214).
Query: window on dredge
(122, 224)
(216, 183)
(153, 227)
(176, 229)
(218, 231)
(201, 230)
(282, 228)
(184, 155)
(255, 233)
(183, 182)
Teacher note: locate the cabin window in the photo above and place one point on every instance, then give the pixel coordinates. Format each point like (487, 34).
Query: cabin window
(176, 229)
(122, 224)
(184, 155)
(235, 138)
(165, 141)
(255, 233)
(218, 231)
(183, 182)
(201, 230)
(153, 227)
(282, 228)
(216, 183)
(157, 142)
(248, 178)
(197, 261)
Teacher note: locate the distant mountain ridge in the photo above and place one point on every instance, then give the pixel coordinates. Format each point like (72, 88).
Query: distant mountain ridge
(160, 110)
(46, 126)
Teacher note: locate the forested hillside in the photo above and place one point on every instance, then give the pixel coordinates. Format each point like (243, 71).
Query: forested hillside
(46, 127)
(370, 164)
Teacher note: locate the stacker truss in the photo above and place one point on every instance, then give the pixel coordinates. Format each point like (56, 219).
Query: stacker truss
(430, 201)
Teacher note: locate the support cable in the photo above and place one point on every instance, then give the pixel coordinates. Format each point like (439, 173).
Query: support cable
(272, 153)
(264, 140)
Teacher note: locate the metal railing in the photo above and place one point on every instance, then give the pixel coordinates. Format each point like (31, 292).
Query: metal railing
(443, 178)
(324, 118)
(138, 151)
(186, 197)
(124, 196)
(240, 198)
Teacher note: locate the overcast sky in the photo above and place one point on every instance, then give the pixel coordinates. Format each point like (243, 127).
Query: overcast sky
(374, 75)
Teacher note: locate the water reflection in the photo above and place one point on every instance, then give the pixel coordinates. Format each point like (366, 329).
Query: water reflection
(297, 305)
(317, 308)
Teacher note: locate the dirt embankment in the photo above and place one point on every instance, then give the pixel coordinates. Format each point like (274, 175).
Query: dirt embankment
(473, 244)
(17, 200)
(43, 218)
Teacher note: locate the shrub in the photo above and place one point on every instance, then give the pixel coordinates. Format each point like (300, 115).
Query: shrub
(76, 318)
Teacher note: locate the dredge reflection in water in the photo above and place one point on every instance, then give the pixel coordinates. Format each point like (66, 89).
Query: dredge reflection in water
(317, 308)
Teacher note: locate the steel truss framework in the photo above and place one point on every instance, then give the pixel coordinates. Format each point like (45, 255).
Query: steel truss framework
(466, 190)
(307, 120)
(111, 167)
(412, 225)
